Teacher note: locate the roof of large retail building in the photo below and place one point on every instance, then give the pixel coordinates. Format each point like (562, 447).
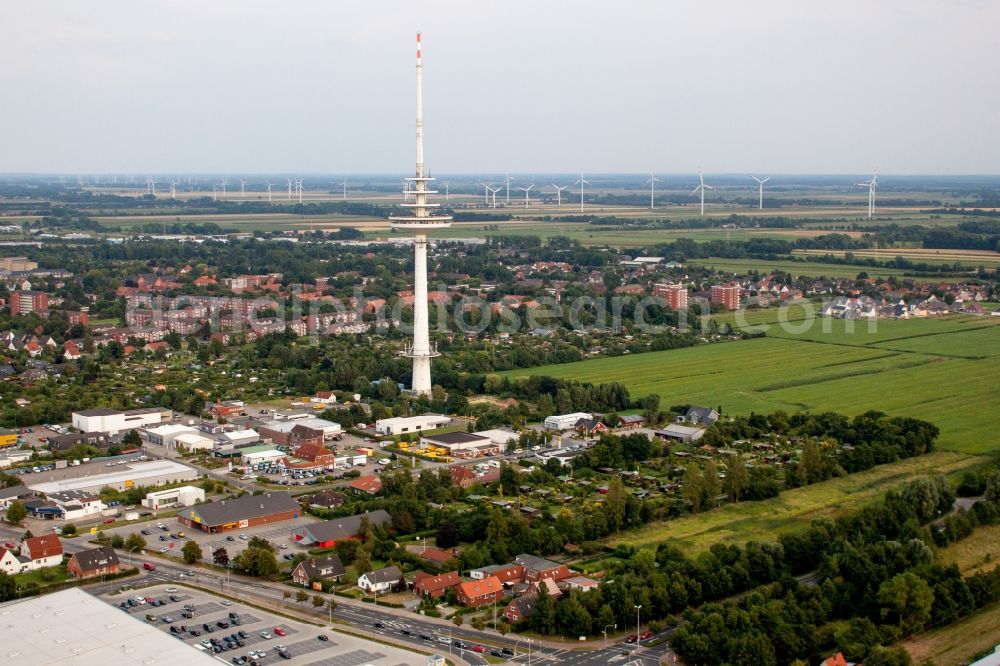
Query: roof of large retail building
(171, 429)
(136, 472)
(241, 508)
(286, 426)
(98, 411)
(74, 627)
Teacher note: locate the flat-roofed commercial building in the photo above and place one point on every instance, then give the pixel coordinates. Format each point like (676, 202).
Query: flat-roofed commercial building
(145, 474)
(74, 627)
(185, 495)
(401, 425)
(113, 421)
(280, 432)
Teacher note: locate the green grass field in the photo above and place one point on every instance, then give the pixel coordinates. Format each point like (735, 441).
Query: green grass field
(793, 509)
(979, 551)
(956, 644)
(819, 370)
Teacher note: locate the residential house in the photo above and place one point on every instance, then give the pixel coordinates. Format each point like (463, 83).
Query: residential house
(590, 426)
(435, 587)
(520, 609)
(42, 551)
(318, 569)
(381, 580)
(551, 587)
(506, 573)
(9, 562)
(327, 499)
(100, 561)
(581, 583)
(475, 593)
(631, 421)
(323, 398)
(703, 416)
(369, 485)
(537, 568)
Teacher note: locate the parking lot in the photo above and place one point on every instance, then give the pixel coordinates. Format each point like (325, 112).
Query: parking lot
(260, 632)
(164, 541)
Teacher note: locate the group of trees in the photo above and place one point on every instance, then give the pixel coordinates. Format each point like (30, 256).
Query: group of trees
(875, 570)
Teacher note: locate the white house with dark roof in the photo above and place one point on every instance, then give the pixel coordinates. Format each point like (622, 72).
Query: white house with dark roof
(381, 580)
(703, 416)
(10, 564)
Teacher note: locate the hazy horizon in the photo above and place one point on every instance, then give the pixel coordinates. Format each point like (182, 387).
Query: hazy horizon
(774, 87)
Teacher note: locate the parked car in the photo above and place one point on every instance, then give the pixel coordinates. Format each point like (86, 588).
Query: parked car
(279, 631)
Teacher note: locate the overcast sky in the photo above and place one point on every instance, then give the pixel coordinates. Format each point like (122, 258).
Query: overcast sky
(242, 86)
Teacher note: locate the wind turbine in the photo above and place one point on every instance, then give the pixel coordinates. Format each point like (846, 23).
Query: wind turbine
(559, 193)
(152, 187)
(653, 180)
(507, 180)
(298, 186)
(581, 183)
(243, 191)
(702, 187)
(493, 193)
(173, 189)
(344, 186)
(215, 195)
(526, 190)
(269, 190)
(871, 185)
(289, 189)
(760, 184)
(446, 183)
(487, 195)
(406, 190)
(224, 183)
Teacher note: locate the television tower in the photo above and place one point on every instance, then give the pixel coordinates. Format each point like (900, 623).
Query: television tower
(420, 221)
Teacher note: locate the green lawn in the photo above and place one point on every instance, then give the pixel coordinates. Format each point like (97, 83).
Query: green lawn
(56, 574)
(834, 369)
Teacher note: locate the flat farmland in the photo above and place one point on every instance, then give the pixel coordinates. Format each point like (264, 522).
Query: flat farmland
(836, 371)
(808, 268)
(971, 258)
(792, 509)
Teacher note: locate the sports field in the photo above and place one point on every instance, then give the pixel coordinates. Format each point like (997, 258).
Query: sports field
(793, 509)
(942, 370)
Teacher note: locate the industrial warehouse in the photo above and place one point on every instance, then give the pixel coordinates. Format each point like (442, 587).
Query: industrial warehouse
(240, 513)
(130, 475)
(328, 533)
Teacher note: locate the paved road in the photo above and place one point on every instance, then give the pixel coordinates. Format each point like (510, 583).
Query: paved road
(363, 617)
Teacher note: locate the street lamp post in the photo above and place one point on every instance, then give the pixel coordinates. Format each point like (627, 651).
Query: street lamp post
(638, 635)
(130, 555)
(606, 632)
